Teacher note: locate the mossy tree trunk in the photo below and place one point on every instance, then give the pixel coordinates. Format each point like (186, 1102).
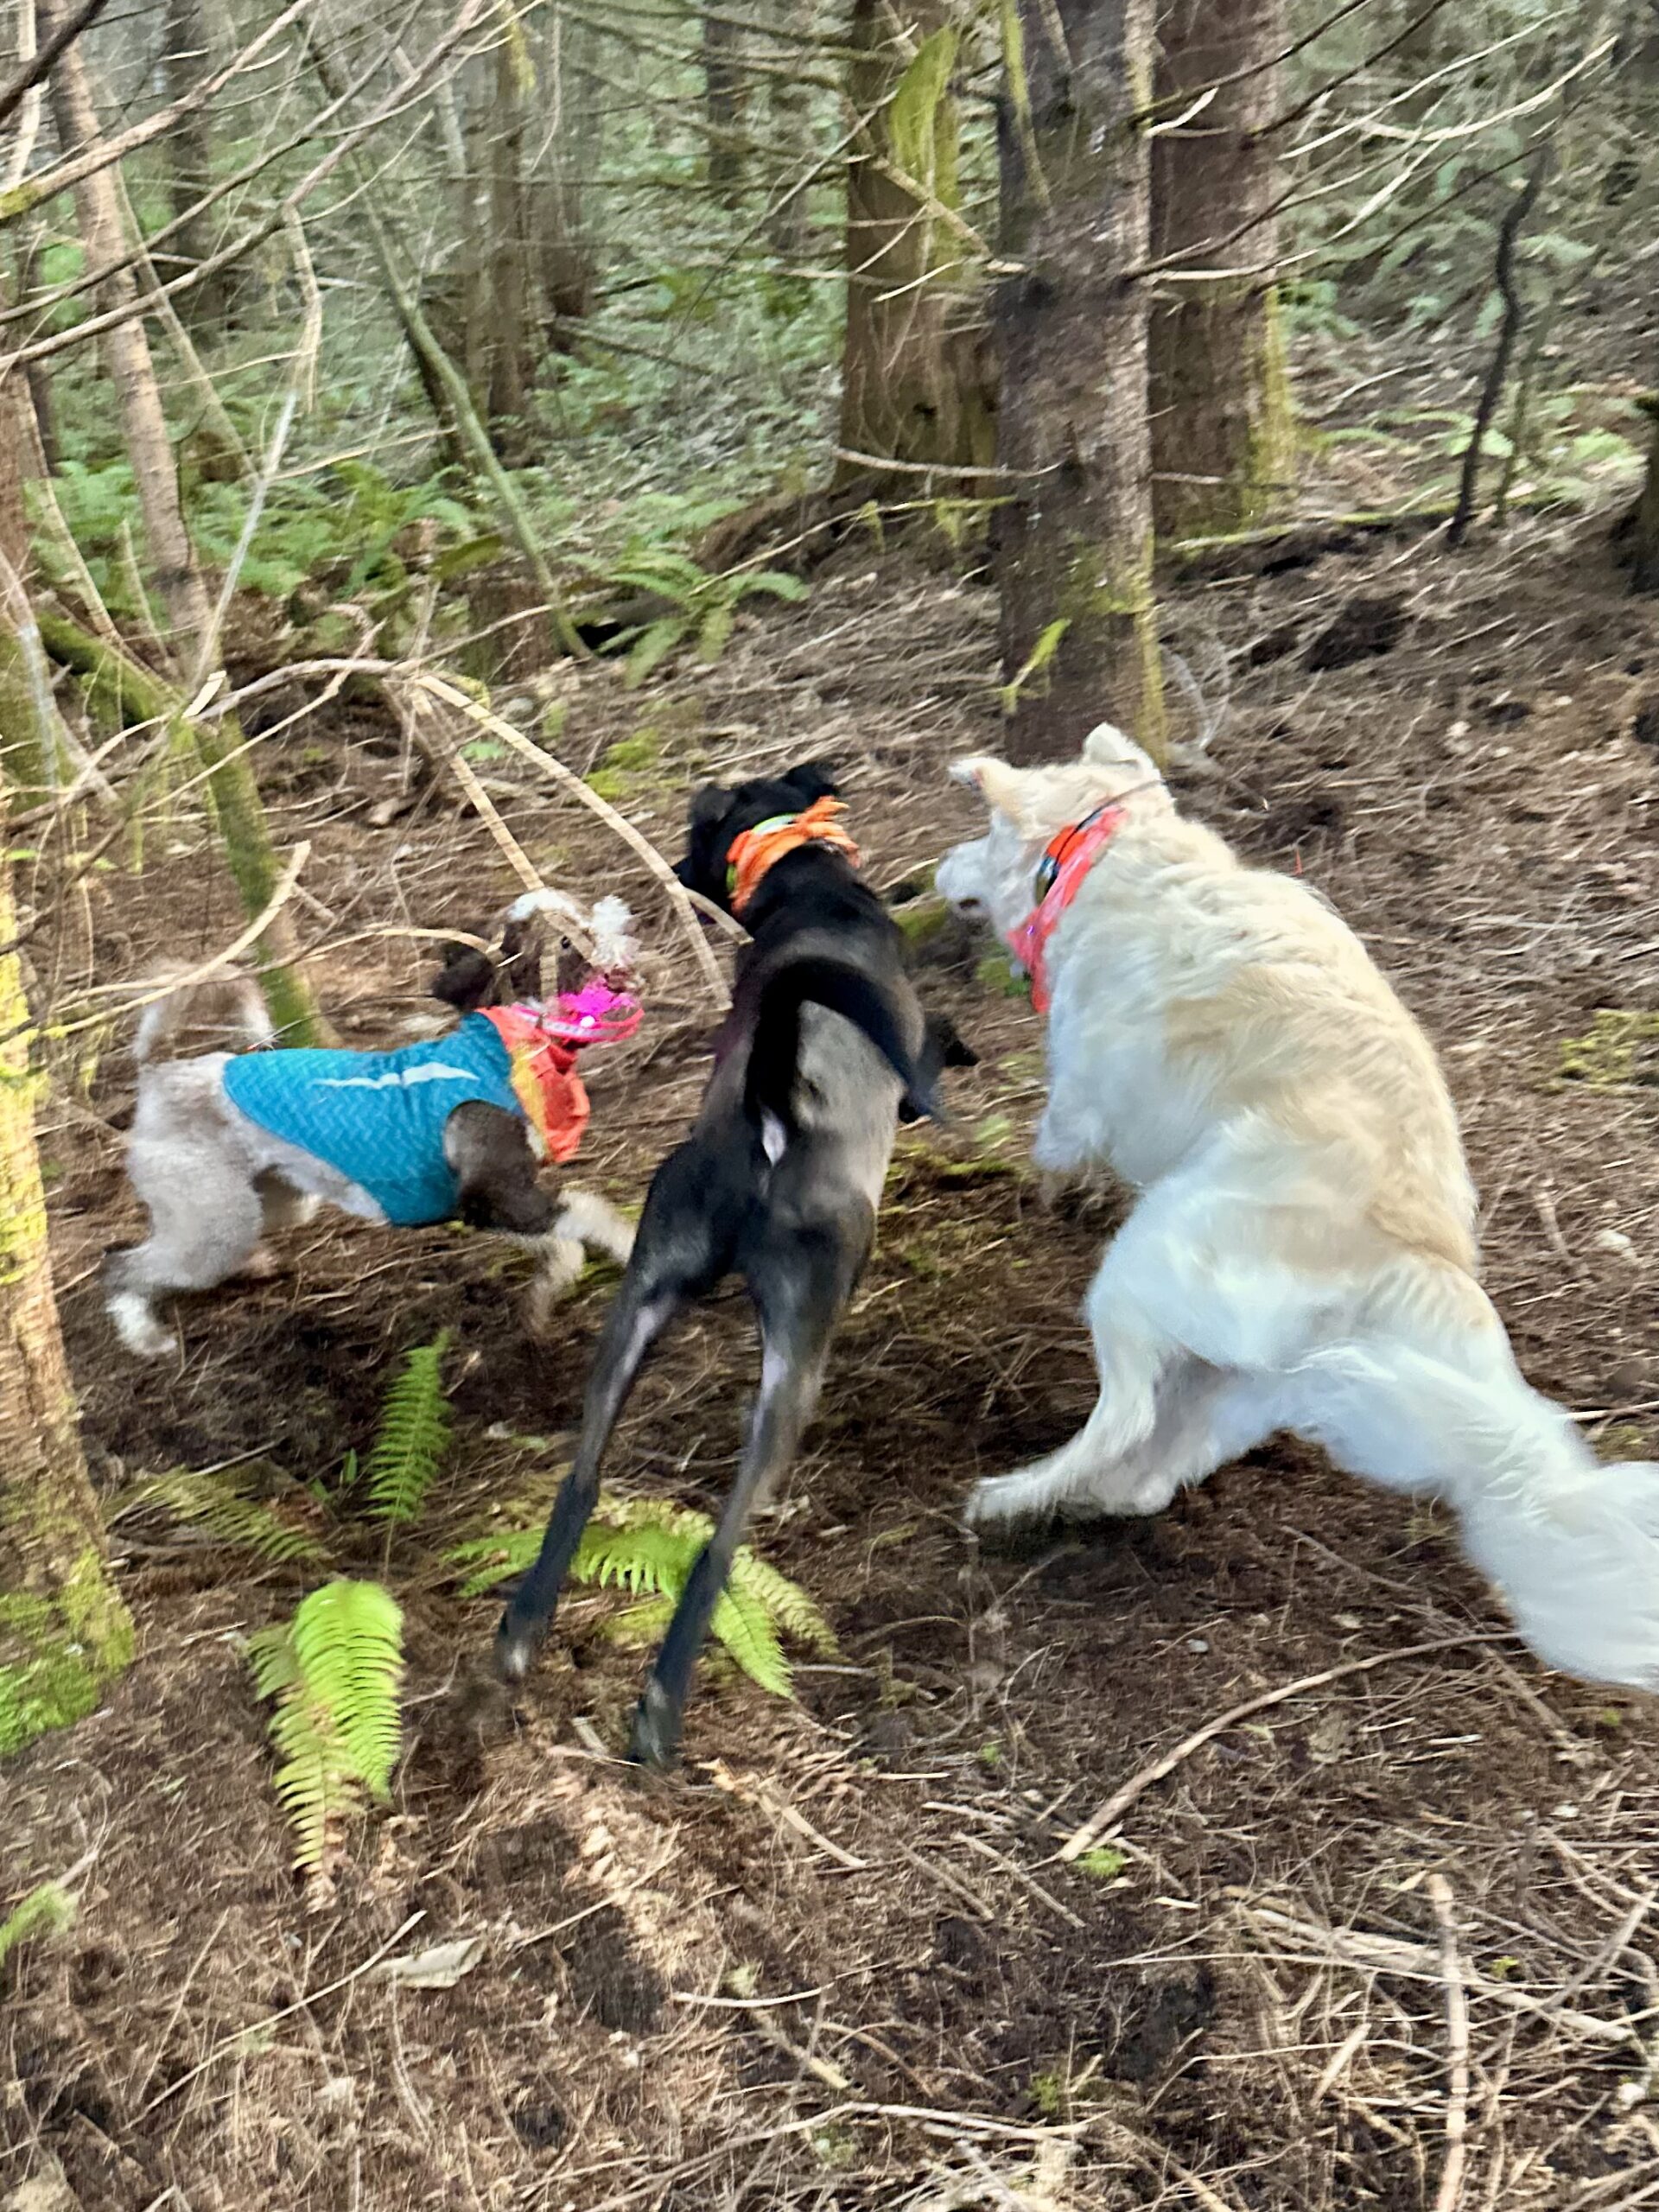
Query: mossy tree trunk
(23, 752)
(64, 1633)
(911, 385)
(232, 792)
(1073, 535)
(1222, 443)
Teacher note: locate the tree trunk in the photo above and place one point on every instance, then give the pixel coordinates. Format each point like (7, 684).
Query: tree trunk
(23, 756)
(573, 154)
(507, 389)
(232, 794)
(1074, 533)
(64, 1633)
(1645, 523)
(791, 151)
(911, 387)
(1222, 441)
(722, 98)
(185, 57)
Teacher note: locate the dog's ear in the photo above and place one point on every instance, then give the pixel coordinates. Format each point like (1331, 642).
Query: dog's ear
(467, 979)
(703, 868)
(709, 807)
(1108, 747)
(813, 780)
(1002, 788)
(947, 1044)
(522, 943)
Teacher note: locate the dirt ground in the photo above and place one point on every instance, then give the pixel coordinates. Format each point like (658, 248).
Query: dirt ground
(836, 1961)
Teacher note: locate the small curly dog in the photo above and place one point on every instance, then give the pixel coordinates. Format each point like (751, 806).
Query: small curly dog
(228, 1147)
(1301, 1252)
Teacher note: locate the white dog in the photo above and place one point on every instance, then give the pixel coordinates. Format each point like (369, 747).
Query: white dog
(1302, 1252)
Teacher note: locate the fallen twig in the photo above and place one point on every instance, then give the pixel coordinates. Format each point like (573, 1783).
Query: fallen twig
(1449, 2196)
(1107, 1815)
(624, 830)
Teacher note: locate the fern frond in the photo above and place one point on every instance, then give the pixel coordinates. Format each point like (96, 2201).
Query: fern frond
(786, 1601)
(413, 1436)
(649, 1546)
(493, 1559)
(335, 1670)
(221, 1504)
(348, 1641)
(654, 1562)
(742, 1624)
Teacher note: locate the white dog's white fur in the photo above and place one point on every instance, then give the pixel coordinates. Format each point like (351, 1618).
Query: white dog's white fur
(1301, 1255)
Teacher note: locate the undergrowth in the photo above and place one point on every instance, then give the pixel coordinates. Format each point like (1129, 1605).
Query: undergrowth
(335, 1670)
(649, 1546)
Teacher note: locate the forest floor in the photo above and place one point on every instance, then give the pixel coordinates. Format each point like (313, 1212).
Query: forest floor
(835, 1963)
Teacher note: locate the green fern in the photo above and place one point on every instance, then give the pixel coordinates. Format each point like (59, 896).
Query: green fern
(649, 1546)
(413, 1436)
(335, 1670)
(222, 1504)
(48, 1910)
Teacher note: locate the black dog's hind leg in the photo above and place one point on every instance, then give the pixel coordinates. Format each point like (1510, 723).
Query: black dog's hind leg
(798, 1293)
(674, 1254)
(643, 1309)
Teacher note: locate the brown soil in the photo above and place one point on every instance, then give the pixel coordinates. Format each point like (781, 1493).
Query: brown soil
(834, 1962)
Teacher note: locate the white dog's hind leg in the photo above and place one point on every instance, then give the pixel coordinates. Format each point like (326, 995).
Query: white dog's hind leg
(1132, 1353)
(1204, 1419)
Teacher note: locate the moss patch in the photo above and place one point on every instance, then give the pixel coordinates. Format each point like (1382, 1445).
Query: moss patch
(1621, 1048)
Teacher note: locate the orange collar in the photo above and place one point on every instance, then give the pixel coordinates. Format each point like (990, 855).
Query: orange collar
(763, 847)
(1067, 858)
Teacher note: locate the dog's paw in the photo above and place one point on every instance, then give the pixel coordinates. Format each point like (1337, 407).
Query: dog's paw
(138, 1327)
(561, 1270)
(261, 1265)
(1005, 1501)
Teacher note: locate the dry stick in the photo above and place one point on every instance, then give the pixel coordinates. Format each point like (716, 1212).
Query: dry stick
(239, 2040)
(1449, 2194)
(1508, 231)
(262, 921)
(624, 830)
(37, 67)
(1107, 1814)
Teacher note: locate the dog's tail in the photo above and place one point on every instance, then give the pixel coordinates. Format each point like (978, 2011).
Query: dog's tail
(1571, 1542)
(775, 1033)
(225, 1010)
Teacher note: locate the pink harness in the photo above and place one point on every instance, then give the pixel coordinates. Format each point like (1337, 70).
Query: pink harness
(1067, 858)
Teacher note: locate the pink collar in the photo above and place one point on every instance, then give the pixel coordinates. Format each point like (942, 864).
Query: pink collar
(1067, 858)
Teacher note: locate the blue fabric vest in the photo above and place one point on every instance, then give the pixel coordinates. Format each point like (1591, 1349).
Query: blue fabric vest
(378, 1117)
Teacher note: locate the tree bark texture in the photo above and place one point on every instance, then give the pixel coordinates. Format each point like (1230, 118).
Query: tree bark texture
(233, 795)
(21, 757)
(722, 100)
(64, 1633)
(1223, 448)
(185, 59)
(912, 390)
(507, 389)
(1073, 535)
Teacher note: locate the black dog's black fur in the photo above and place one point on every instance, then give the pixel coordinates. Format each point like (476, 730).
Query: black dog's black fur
(778, 1182)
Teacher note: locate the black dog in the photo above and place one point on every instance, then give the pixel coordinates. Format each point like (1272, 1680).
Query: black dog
(779, 1180)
